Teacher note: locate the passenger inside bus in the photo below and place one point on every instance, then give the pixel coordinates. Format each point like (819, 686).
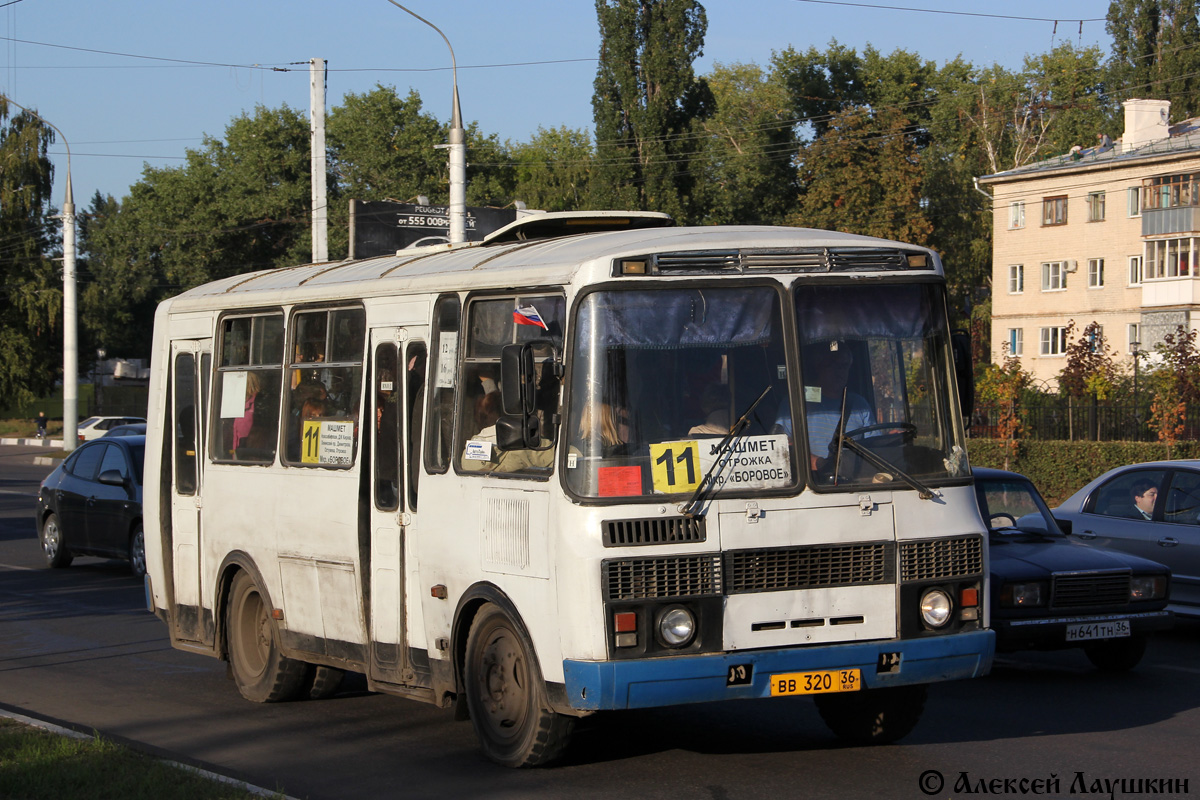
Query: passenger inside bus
(714, 403)
(481, 453)
(826, 374)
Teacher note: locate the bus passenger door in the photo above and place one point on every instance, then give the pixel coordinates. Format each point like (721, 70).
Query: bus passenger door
(188, 359)
(396, 380)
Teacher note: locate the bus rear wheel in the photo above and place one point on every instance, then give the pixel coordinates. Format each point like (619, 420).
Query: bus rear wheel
(873, 716)
(506, 696)
(259, 668)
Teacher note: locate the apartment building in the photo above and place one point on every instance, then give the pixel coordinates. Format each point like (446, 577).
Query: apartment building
(1108, 234)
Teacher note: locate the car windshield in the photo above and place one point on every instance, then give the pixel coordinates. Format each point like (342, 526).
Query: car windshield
(1014, 506)
(657, 380)
(876, 364)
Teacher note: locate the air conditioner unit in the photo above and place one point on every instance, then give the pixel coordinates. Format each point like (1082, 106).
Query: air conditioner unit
(1072, 266)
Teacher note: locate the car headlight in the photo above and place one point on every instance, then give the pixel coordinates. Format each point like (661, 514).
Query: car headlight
(1148, 587)
(936, 607)
(676, 626)
(1023, 595)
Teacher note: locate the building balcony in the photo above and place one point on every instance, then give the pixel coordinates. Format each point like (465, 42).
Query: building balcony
(1166, 221)
(1160, 292)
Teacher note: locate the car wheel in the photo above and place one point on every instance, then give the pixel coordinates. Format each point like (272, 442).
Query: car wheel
(137, 551)
(873, 716)
(321, 682)
(53, 546)
(262, 672)
(1117, 655)
(506, 696)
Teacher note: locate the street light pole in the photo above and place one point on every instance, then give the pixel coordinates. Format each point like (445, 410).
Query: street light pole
(70, 337)
(457, 147)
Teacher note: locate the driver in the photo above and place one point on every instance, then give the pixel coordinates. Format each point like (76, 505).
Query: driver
(826, 373)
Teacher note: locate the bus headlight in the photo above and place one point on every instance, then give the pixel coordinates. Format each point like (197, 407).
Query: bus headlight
(935, 607)
(676, 626)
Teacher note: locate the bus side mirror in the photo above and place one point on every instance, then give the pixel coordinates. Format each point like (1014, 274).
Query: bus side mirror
(517, 432)
(964, 372)
(518, 392)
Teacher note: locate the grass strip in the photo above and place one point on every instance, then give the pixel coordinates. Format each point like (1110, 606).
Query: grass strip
(39, 765)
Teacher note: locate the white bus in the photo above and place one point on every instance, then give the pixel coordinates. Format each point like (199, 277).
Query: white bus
(594, 462)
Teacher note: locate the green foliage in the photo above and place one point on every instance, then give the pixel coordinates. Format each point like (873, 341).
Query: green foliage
(863, 176)
(1006, 385)
(30, 282)
(1059, 469)
(646, 102)
(1156, 51)
(553, 169)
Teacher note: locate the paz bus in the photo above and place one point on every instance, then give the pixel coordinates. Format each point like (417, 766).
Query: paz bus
(592, 462)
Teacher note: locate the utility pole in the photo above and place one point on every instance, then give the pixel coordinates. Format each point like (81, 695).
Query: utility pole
(320, 202)
(70, 337)
(457, 148)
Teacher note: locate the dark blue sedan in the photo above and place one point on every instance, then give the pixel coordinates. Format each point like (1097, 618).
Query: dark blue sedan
(91, 504)
(1050, 592)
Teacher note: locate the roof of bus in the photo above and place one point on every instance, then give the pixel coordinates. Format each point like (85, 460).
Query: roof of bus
(523, 263)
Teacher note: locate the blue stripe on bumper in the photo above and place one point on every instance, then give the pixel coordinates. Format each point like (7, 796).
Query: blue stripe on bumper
(645, 683)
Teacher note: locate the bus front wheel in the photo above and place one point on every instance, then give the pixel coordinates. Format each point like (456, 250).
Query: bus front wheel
(506, 696)
(259, 668)
(873, 716)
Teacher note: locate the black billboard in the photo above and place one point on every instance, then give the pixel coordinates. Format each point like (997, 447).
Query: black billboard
(381, 227)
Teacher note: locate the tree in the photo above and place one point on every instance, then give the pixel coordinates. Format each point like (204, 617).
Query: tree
(745, 167)
(645, 102)
(30, 330)
(553, 169)
(1156, 51)
(1175, 385)
(1002, 385)
(1090, 370)
(863, 176)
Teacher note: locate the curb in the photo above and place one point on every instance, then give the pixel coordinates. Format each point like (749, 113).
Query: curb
(61, 731)
(33, 442)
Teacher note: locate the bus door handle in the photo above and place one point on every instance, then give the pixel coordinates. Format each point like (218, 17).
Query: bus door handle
(1168, 541)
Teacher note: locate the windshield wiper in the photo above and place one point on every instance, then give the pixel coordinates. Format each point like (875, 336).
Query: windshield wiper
(839, 439)
(725, 448)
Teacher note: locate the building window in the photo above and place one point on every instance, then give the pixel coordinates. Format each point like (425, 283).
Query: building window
(1095, 205)
(1135, 270)
(1016, 341)
(1134, 199)
(1172, 258)
(1054, 341)
(1016, 214)
(1095, 273)
(1054, 211)
(1016, 278)
(1054, 276)
(1133, 337)
(1171, 191)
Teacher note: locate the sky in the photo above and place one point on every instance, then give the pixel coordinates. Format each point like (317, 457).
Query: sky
(132, 83)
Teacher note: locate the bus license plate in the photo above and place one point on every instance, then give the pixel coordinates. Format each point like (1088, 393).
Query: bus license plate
(835, 680)
(1109, 629)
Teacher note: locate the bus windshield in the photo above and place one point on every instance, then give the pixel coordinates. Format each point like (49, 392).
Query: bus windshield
(658, 378)
(876, 364)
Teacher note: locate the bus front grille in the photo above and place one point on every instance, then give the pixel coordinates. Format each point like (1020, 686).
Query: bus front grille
(938, 559)
(657, 578)
(1080, 591)
(654, 530)
(815, 567)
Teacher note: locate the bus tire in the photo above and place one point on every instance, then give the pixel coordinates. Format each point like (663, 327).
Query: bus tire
(873, 716)
(53, 547)
(321, 682)
(506, 695)
(262, 672)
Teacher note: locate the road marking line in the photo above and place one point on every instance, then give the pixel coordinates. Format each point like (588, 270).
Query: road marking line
(14, 566)
(18, 494)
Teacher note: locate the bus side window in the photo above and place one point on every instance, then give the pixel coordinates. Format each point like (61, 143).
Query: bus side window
(415, 397)
(185, 423)
(325, 385)
(444, 373)
(387, 428)
(249, 374)
(493, 323)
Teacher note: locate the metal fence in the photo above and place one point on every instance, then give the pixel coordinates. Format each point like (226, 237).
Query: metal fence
(1068, 419)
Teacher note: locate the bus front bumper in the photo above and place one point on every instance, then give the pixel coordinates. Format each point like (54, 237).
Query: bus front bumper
(741, 675)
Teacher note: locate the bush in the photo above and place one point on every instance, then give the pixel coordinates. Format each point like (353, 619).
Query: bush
(1059, 469)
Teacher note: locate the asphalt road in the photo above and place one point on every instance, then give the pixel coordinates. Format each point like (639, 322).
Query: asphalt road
(78, 648)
